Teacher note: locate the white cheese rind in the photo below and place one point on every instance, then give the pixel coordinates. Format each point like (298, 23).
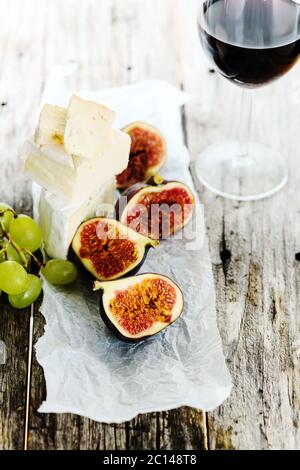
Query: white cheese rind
(51, 126)
(53, 176)
(59, 219)
(88, 129)
(113, 162)
(57, 154)
(75, 178)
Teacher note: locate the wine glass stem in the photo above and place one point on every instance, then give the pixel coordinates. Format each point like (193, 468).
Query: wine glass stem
(243, 157)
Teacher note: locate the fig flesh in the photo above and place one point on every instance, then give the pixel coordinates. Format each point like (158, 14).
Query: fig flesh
(110, 250)
(148, 153)
(156, 210)
(139, 307)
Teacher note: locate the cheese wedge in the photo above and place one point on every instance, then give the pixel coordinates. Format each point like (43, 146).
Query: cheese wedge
(41, 167)
(88, 129)
(59, 219)
(57, 154)
(75, 178)
(51, 126)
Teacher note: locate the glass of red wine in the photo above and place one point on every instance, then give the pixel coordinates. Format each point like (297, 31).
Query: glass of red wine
(251, 43)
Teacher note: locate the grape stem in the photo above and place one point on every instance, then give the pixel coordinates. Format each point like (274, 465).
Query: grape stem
(3, 250)
(20, 250)
(2, 212)
(40, 265)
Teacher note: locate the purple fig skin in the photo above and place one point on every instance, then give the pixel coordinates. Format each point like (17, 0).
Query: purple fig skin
(118, 333)
(112, 327)
(130, 192)
(89, 276)
(150, 170)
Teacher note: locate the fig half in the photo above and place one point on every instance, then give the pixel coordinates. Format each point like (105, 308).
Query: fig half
(139, 307)
(157, 209)
(110, 250)
(148, 153)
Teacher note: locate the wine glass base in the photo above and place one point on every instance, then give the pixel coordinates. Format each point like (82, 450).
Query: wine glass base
(258, 175)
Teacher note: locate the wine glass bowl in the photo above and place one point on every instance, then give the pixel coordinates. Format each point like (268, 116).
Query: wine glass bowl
(251, 43)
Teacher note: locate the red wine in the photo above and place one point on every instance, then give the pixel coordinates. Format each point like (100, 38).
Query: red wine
(251, 42)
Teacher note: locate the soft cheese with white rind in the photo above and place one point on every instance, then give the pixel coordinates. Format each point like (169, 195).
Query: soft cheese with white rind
(75, 178)
(59, 219)
(57, 154)
(53, 173)
(88, 129)
(109, 163)
(51, 126)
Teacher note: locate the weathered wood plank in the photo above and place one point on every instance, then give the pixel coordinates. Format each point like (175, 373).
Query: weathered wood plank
(153, 37)
(253, 245)
(17, 102)
(12, 378)
(253, 248)
(76, 22)
(183, 429)
(130, 47)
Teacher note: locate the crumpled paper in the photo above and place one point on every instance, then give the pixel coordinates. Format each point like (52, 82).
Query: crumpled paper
(91, 373)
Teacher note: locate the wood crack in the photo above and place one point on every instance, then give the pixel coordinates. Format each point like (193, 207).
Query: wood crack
(273, 310)
(225, 254)
(180, 82)
(28, 382)
(206, 436)
(158, 436)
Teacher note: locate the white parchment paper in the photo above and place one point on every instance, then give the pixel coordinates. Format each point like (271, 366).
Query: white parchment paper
(87, 370)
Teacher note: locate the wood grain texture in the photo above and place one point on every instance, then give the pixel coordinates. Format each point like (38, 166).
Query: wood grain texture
(17, 102)
(12, 378)
(253, 248)
(129, 48)
(253, 245)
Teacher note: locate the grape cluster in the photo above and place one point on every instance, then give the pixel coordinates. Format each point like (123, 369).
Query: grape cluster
(20, 243)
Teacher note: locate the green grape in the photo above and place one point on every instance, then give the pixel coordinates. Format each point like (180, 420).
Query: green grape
(60, 272)
(13, 277)
(11, 254)
(30, 295)
(26, 233)
(5, 217)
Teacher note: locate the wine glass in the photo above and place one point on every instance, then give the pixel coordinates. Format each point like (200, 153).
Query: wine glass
(251, 43)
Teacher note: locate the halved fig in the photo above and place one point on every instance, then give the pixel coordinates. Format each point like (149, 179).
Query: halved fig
(157, 209)
(148, 153)
(138, 307)
(109, 249)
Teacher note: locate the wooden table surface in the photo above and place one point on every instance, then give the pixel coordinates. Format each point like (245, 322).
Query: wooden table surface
(253, 245)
